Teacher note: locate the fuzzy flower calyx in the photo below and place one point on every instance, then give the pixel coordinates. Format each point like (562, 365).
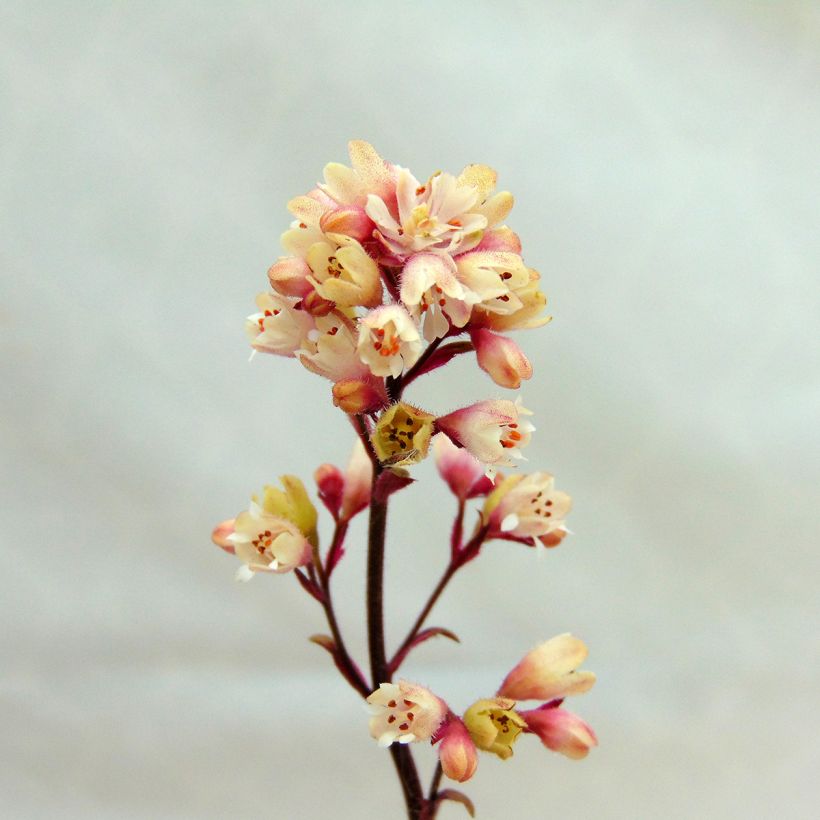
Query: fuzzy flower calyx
(402, 435)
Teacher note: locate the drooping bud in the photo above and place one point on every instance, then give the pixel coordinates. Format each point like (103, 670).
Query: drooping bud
(457, 752)
(356, 396)
(561, 731)
(402, 435)
(349, 221)
(462, 471)
(288, 276)
(549, 671)
(330, 482)
(494, 725)
(501, 358)
(358, 481)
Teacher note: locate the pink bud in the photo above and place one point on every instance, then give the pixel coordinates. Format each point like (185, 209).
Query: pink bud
(220, 535)
(358, 480)
(561, 731)
(288, 276)
(330, 482)
(457, 752)
(350, 221)
(316, 305)
(463, 472)
(549, 671)
(501, 357)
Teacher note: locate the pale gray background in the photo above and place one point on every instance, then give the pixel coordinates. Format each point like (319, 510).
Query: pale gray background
(663, 157)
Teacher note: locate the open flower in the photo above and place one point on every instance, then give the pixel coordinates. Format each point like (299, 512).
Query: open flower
(432, 292)
(279, 327)
(330, 349)
(404, 712)
(402, 435)
(267, 543)
(343, 273)
(438, 215)
(389, 340)
(493, 431)
(494, 725)
(526, 506)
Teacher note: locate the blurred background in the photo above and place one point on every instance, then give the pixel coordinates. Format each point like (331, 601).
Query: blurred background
(665, 166)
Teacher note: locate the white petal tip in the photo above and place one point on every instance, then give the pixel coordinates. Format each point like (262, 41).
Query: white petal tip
(509, 523)
(244, 574)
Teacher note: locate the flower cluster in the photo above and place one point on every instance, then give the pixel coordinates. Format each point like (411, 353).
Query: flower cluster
(381, 270)
(387, 278)
(406, 712)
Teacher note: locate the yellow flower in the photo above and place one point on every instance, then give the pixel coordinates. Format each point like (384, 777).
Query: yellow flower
(292, 504)
(494, 726)
(402, 435)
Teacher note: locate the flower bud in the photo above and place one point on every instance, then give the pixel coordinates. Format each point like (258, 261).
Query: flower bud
(457, 752)
(358, 481)
(402, 435)
(330, 482)
(501, 358)
(561, 731)
(549, 671)
(355, 396)
(350, 221)
(462, 471)
(288, 276)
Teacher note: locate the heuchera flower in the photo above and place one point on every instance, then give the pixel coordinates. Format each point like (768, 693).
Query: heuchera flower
(526, 506)
(279, 327)
(274, 536)
(389, 340)
(404, 712)
(549, 672)
(501, 358)
(491, 430)
(330, 350)
(462, 471)
(357, 483)
(343, 273)
(402, 435)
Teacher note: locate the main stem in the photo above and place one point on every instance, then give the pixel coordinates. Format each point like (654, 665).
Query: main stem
(379, 671)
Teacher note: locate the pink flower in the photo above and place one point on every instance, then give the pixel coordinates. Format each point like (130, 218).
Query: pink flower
(463, 472)
(549, 671)
(491, 430)
(404, 712)
(439, 215)
(560, 730)
(457, 752)
(431, 289)
(501, 357)
(389, 340)
(526, 506)
(330, 349)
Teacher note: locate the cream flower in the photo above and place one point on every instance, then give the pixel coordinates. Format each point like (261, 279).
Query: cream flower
(389, 340)
(279, 327)
(343, 273)
(430, 288)
(494, 725)
(267, 543)
(439, 215)
(404, 712)
(526, 506)
(330, 349)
